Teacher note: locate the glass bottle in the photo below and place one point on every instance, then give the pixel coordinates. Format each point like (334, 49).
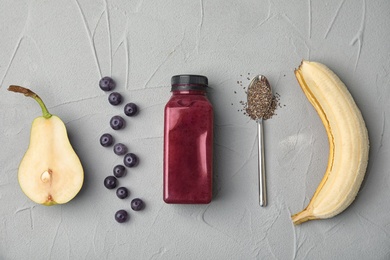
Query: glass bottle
(188, 142)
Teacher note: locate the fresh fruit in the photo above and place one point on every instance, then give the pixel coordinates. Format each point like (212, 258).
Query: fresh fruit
(106, 140)
(120, 149)
(121, 216)
(348, 141)
(115, 98)
(137, 204)
(117, 122)
(130, 109)
(119, 171)
(122, 192)
(130, 160)
(50, 171)
(107, 84)
(110, 182)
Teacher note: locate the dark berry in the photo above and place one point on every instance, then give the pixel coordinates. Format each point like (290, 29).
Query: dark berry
(120, 149)
(106, 140)
(137, 204)
(115, 98)
(131, 109)
(117, 122)
(130, 160)
(121, 216)
(119, 171)
(107, 84)
(110, 182)
(122, 192)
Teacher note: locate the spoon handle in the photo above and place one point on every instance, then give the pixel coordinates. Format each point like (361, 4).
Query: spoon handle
(261, 165)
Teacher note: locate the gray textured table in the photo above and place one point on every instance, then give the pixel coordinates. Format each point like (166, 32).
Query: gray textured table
(61, 49)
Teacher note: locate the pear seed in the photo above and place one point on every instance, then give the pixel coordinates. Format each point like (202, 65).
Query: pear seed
(46, 176)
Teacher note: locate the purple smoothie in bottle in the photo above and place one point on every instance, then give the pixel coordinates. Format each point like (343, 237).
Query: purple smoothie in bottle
(188, 142)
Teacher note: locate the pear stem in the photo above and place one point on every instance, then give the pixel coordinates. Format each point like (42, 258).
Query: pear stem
(28, 93)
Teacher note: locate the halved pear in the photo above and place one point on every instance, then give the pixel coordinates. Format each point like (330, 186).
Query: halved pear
(50, 172)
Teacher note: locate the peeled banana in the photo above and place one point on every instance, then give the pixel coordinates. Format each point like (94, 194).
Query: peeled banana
(348, 141)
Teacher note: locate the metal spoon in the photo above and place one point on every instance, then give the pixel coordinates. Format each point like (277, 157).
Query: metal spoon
(260, 138)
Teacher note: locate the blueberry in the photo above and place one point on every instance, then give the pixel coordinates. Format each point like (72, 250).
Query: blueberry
(137, 204)
(121, 216)
(107, 84)
(131, 109)
(119, 171)
(120, 149)
(117, 122)
(106, 140)
(122, 192)
(130, 160)
(110, 182)
(115, 98)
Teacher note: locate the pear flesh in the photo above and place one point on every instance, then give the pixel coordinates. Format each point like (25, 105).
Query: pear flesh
(50, 172)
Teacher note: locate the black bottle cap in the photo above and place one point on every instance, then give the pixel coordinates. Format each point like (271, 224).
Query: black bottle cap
(189, 82)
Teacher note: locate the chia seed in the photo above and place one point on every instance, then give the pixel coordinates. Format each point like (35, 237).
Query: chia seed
(261, 102)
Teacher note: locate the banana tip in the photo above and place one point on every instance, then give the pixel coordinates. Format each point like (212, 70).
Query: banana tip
(300, 65)
(302, 217)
